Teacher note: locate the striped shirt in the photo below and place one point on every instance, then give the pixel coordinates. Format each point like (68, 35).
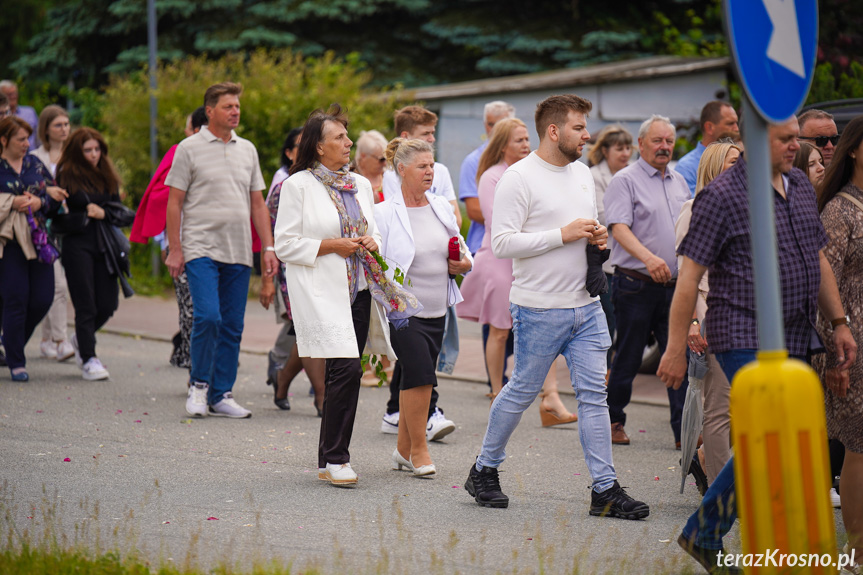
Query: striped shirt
(218, 178)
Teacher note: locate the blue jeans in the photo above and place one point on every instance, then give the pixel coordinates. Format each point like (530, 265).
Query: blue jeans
(640, 307)
(581, 336)
(219, 292)
(718, 511)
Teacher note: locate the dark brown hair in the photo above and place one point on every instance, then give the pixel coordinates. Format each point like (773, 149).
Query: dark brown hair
(712, 112)
(216, 91)
(76, 173)
(313, 132)
(10, 125)
(555, 109)
(841, 168)
(410, 117)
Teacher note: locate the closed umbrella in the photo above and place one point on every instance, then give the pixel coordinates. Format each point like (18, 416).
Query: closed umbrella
(693, 413)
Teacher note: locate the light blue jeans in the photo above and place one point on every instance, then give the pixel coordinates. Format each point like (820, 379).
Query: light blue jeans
(581, 336)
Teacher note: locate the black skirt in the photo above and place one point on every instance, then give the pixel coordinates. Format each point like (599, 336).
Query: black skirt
(417, 347)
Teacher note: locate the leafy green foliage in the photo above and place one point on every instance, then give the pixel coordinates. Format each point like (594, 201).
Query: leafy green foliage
(825, 86)
(281, 88)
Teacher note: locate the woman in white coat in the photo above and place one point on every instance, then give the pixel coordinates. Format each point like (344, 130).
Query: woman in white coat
(417, 228)
(325, 233)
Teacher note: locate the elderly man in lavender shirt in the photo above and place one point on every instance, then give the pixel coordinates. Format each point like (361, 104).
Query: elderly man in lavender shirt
(642, 203)
(26, 113)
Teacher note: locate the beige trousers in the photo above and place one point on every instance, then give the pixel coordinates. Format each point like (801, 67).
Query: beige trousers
(54, 324)
(717, 419)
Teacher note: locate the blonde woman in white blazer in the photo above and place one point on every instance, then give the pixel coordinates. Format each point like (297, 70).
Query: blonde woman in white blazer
(324, 232)
(416, 227)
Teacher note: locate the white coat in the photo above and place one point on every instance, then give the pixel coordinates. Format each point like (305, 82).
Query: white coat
(398, 245)
(318, 285)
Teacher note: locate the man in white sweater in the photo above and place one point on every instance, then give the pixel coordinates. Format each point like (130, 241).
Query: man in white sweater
(544, 217)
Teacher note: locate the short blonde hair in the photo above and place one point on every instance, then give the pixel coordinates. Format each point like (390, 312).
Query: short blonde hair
(401, 151)
(370, 141)
(711, 162)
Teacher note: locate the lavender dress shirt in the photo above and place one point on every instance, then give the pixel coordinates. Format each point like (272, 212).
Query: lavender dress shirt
(649, 203)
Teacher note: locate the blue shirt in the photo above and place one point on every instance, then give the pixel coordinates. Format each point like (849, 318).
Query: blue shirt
(467, 189)
(687, 167)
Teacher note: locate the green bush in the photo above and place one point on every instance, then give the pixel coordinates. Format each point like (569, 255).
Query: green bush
(281, 88)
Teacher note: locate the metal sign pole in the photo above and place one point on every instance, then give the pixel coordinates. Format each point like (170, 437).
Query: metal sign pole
(768, 295)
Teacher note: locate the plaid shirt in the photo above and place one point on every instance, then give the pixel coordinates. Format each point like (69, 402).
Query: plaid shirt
(720, 238)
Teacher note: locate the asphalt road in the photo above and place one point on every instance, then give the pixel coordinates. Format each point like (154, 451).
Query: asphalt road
(118, 464)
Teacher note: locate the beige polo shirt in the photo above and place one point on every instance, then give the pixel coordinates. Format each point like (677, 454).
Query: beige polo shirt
(218, 179)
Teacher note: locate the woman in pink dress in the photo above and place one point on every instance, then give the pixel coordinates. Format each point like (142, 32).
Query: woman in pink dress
(486, 288)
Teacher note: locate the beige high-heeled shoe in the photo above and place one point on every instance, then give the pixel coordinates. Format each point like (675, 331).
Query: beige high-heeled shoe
(550, 417)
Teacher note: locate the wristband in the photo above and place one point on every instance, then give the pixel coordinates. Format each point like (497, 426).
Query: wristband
(839, 321)
(269, 249)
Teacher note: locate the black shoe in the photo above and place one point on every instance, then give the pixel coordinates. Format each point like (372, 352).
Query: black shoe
(273, 369)
(283, 404)
(615, 502)
(696, 471)
(484, 487)
(706, 557)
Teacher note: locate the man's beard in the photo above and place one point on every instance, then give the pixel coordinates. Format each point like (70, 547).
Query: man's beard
(570, 153)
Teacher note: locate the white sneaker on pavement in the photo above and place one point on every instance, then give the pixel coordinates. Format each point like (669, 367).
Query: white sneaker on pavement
(834, 498)
(341, 474)
(438, 426)
(93, 370)
(229, 408)
(48, 349)
(65, 350)
(390, 423)
(196, 402)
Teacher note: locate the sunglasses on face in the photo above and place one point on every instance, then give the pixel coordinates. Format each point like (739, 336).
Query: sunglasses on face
(821, 141)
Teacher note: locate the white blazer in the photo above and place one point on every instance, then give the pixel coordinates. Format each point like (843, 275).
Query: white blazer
(318, 286)
(398, 240)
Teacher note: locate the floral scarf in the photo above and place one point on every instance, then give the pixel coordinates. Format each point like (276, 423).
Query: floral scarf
(342, 187)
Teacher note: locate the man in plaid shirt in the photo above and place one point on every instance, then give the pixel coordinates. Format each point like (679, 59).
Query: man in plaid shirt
(720, 239)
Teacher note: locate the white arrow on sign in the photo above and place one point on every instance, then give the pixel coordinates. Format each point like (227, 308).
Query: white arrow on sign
(784, 47)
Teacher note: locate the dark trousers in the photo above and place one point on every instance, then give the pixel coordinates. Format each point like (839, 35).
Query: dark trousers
(93, 290)
(608, 308)
(342, 391)
(27, 291)
(639, 308)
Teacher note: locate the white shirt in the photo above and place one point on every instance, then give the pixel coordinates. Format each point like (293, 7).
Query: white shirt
(532, 201)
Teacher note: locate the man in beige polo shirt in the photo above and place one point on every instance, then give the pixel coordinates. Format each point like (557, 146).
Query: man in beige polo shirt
(216, 185)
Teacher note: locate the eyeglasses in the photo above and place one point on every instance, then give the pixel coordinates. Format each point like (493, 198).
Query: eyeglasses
(821, 141)
(381, 160)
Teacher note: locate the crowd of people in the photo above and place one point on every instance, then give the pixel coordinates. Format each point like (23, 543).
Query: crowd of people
(360, 257)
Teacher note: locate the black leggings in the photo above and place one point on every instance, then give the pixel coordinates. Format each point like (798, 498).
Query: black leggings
(93, 290)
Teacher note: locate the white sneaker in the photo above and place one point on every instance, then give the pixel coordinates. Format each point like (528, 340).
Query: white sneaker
(341, 474)
(48, 349)
(196, 403)
(390, 423)
(78, 359)
(93, 370)
(229, 408)
(834, 498)
(64, 350)
(438, 426)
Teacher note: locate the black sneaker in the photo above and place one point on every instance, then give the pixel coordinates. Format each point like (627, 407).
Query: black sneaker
(615, 502)
(707, 558)
(696, 471)
(484, 487)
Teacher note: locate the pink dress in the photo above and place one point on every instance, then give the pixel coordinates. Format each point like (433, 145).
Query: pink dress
(486, 288)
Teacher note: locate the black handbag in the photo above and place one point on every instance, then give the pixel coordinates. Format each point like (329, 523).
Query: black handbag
(117, 214)
(596, 283)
